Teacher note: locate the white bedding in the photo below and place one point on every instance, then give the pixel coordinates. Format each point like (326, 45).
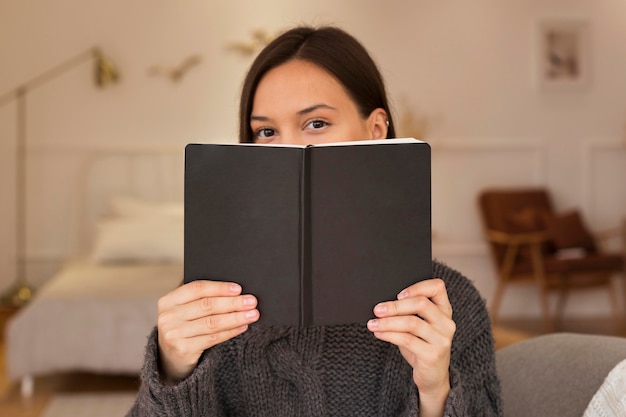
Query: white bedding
(89, 317)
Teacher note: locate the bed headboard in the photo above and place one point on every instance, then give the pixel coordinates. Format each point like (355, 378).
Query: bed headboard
(150, 173)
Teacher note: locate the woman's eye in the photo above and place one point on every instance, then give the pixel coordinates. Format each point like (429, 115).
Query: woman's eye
(317, 124)
(265, 133)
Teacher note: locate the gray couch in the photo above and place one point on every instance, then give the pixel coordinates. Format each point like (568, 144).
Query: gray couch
(556, 374)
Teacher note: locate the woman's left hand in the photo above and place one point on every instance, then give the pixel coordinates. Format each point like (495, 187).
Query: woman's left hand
(420, 323)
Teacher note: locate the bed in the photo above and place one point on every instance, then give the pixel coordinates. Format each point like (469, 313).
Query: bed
(95, 313)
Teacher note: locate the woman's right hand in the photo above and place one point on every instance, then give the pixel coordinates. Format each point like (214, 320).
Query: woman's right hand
(197, 316)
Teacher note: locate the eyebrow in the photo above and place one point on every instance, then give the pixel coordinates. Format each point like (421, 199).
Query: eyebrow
(302, 112)
(315, 107)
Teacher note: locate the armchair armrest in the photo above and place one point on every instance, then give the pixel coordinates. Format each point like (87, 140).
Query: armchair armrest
(603, 236)
(504, 238)
(513, 242)
(615, 232)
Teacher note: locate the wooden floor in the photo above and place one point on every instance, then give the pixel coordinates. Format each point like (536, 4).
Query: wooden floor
(12, 405)
(511, 331)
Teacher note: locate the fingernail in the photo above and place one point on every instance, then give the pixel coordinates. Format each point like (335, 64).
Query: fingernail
(372, 324)
(234, 288)
(248, 301)
(380, 308)
(251, 314)
(403, 294)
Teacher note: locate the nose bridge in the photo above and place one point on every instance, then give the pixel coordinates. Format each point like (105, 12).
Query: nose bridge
(291, 136)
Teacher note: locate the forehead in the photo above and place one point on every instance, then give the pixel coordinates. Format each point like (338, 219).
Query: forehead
(297, 84)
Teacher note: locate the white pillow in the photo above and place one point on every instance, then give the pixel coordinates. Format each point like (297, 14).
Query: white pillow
(139, 239)
(140, 231)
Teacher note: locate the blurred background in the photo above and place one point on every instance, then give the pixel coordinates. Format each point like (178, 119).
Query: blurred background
(509, 93)
(465, 76)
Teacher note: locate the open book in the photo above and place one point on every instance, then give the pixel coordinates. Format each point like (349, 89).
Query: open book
(319, 234)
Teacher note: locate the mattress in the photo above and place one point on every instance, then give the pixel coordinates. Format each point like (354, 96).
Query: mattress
(89, 317)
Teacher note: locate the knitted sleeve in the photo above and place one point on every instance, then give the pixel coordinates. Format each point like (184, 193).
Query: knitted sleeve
(475, 388)
(196, 395)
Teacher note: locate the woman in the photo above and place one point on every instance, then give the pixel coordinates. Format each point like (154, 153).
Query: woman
(416, 358)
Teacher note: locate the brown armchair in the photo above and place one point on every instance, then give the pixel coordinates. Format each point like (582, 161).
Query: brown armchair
(529, 242)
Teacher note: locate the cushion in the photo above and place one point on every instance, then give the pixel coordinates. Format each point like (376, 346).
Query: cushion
(567, 231)
(556, 374)
(525, 220)
(140, 231)
(148, 239)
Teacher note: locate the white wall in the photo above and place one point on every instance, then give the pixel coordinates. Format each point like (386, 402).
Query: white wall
(466, 66)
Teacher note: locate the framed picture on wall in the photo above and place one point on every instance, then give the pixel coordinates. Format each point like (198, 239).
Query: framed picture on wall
(563, 56)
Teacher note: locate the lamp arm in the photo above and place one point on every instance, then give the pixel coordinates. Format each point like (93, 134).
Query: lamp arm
(106, 72)
(49, 75)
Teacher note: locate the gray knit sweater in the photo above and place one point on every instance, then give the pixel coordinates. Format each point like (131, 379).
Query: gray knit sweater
(327, 371)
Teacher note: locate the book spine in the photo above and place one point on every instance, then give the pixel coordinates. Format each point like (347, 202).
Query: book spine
(306, 302)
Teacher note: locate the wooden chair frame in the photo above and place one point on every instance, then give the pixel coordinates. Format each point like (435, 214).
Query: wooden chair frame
(546, 283)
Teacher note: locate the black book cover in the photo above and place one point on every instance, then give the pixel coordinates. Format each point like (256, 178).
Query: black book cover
(319, 234)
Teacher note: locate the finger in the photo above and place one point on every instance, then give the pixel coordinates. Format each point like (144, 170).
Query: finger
(209, 306)
(200, 343)
(434, 289)
(421, 306)
(220, 323)
(210, 340)
(211, 325)
(195, 290)
(403, 340)
(411, 325)
(402, 324)
(428, 357)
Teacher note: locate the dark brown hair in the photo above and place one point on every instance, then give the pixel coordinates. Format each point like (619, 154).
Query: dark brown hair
(332, 49)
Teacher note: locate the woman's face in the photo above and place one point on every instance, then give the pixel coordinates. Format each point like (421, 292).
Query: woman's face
(300, 103)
